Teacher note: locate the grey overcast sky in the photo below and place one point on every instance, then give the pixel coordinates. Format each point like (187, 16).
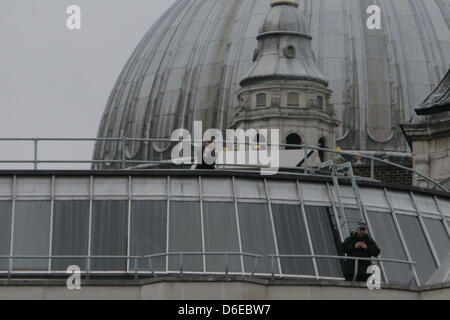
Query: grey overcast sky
(55, 82)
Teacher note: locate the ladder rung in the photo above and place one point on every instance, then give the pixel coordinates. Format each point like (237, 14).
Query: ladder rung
(353, 220)
(345, 171)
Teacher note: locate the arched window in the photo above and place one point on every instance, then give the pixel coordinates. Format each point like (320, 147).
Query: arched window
(293, 138)
(293, 99)
(261, 100)
(320, 102)
(322, 144)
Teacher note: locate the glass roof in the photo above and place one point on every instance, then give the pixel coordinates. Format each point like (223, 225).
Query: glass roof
(138, 216)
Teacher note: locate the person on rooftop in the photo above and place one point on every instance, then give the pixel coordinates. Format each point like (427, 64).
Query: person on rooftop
(359, 244)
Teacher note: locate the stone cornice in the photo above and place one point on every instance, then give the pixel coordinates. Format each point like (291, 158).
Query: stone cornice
(318, 116)
(426, 130)
(257, 79)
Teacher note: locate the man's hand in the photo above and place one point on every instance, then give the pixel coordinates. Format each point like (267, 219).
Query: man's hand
(360, 244)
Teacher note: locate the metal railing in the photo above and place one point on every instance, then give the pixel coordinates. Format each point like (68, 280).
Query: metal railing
(345, 258)
(138, 259)
(182, 254)
(88, 270)
(124, 162)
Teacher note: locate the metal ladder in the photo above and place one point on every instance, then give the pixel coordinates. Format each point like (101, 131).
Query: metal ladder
(346, 171)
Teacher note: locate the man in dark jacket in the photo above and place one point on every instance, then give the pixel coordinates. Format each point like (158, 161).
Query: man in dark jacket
(359, 244)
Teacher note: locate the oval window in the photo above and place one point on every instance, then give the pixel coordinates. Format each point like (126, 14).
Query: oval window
(290, 52)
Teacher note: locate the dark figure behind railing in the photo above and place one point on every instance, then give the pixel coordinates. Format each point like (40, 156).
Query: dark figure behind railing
(359, 244)
(208, 156)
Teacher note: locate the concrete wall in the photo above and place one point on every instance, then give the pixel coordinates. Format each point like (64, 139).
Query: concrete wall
(173, 288)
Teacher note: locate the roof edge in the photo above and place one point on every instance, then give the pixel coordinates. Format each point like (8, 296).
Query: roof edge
(216, 173)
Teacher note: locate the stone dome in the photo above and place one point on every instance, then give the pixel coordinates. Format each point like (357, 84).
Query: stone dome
(189, 65)
(284, 18)
(284, 30)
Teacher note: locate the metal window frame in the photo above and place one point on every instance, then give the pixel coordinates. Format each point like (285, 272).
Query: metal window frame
(274, 235)
(129, 221)
(398, 207)
(91, 203)
(120, 197)
(53, 217)
(52, 210)
(168, 223)
(371, 230)
(334, 208)
(13, 215)
(402, 239)
(196, 199)
(237, 222)
(443, 217)
(431, 216)
(308, 232)
(425, 231)
(209, 201)
(9, 199)
(202, 221)
(369, 226)
(218, 197)
(268, 200)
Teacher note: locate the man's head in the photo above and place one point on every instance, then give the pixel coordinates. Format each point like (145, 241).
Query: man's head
(361, 229)
(209, 153)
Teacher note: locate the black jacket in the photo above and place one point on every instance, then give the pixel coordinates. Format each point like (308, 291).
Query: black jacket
(348, 246)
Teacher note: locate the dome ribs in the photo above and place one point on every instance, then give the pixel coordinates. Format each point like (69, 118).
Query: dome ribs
(145, 104)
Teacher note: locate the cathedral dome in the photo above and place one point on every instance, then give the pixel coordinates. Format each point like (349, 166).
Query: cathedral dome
(190, 64)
